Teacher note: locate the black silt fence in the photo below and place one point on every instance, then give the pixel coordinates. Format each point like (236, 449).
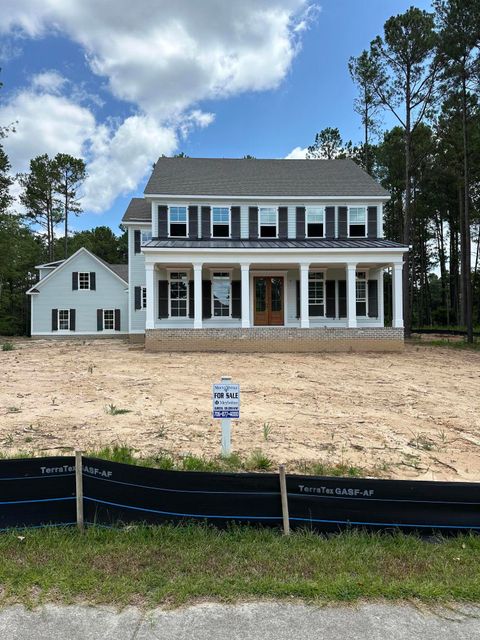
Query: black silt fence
(41, 491)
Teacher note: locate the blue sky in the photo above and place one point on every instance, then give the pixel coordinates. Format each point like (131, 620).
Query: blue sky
(85, 81)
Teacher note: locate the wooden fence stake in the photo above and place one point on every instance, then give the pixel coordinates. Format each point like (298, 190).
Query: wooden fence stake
(79, 489)
(283, 492)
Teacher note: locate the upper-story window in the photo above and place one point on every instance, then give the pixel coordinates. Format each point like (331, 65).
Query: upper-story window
(178, 222)
(315, 222)
(84, 280)
(146, 236)
(220, 222)
(357, 222)
(267, 222)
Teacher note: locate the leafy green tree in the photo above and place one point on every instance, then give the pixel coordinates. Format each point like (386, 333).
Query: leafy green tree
(70, 175)
(101, 241)
(329, 145)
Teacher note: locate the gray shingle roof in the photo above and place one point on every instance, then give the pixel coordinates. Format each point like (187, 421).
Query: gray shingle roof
(138, 209)
(241, 177)
(360, 243)
(120, 269)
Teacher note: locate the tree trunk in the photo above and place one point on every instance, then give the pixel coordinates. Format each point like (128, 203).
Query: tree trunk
(66, 223)
(407, 310)
(467, 276)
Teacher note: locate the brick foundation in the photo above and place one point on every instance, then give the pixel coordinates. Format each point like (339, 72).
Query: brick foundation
(275, 340)
(136, 338)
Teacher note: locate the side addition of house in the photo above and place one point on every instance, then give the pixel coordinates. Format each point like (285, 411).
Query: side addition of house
(261, 255)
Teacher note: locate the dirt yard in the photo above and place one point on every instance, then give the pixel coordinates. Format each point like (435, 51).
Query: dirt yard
(409, 415)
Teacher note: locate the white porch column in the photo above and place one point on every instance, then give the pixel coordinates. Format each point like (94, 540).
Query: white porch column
(245, 269)
(381, 310)
(397, 284)
(304, 319)
(150, 285)
(351, 296)
(197, 295)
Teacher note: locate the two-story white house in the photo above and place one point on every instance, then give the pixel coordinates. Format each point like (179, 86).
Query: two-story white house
(261, 255)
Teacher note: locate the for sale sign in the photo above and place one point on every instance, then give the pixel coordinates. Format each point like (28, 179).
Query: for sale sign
(226, 400)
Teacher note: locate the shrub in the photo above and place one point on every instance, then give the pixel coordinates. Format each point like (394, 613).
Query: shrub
(8, 346)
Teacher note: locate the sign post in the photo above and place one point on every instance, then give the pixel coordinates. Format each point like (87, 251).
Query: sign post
(226, 405)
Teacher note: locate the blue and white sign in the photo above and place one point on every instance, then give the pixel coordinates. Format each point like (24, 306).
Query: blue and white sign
(226, 400)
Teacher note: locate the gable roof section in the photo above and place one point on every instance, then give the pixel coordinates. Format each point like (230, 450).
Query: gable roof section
(112, 268)
(257, 178)
(138, 210)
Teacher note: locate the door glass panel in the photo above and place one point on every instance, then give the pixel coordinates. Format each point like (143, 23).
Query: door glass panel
(277, 294)
(260, 294)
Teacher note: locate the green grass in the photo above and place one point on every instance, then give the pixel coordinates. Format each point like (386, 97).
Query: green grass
(452, 344)
(113, 410)
(173, 565)
(8, 346)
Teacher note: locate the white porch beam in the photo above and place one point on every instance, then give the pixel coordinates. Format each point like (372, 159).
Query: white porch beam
(150, 285)
(245, 277)
(304, 319)
(397, 283)
(351, 296)
(197, 295)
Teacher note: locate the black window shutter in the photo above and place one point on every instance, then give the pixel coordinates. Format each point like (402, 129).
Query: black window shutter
(137, 240)
(72, 319)
(162, 221)
(191, 299)
(298, 298)
(138, 298)
(75, 280)
(193, 223)
(206, 298)
(163, 298)
(283, 223)
(93, 281)
(117, 319)
(236, 298)
(99, 319)
(342, 222)
(372, 222)
(342, 298)
(235, 230)
(253, 223)
(329, 222)
(330, 298)
(300, 225)
(54, 319)
(206, 222)
(373, 299)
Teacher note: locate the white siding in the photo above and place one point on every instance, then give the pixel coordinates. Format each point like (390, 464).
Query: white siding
(136, 277)
(244, 222)
(292, 222)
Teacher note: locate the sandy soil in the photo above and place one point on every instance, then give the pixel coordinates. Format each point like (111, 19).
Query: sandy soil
(409, 415)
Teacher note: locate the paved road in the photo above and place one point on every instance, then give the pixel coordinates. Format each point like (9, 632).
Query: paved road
(250, 621)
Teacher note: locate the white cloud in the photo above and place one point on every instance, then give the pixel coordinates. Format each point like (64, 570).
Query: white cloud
(298, 153)
(164, 57)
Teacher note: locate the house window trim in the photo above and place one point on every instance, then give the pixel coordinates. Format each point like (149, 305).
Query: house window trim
(112, 330)
(84, 273)
(219, 206)
(358, 206)
(306, 221)
(177, 206)
(230, 273)
(142, 231)
(69, 321)
(143, 297)
(259, 225)
(357, 279)
(324, 272)
(188, 273)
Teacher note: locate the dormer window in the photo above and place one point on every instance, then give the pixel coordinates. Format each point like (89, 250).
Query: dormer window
(177, 222)
(220, 222)
(315, 222)
(357, 222)
(267, 222)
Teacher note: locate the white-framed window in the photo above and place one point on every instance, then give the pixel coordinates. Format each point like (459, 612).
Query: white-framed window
(64, 319)
(221, 294)
(357, 222)
(361, 293)
(143, 299)
(220, 222)
(108, 319)
(178, 294)
(146, 236)
(267, 222)
(315, 222)
(84, 280)
(178, 222)
(316, 293)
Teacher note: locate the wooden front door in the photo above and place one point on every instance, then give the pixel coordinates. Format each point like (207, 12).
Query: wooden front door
(268, 303)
